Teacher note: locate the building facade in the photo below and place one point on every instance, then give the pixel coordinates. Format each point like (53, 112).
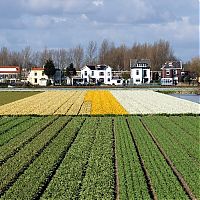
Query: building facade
(96, 74)
(10, 74)
(171, 73)
(37, 76)
(140, 71)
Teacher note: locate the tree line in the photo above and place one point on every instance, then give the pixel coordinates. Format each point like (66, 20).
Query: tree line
(118, 57)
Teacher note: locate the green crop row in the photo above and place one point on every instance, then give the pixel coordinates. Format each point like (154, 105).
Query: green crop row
(187, 143)
(15, 144)
(6, 119)
(10, 170)
(19, 129)
(132, 183)
(12, 124)
(32, 181)
(183, 162)
(66, 183)
(164, 182)
(189, 124)
(98, 182)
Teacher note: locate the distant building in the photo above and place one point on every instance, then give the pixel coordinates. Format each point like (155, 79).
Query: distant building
(10, 74)
(96, 74)
(37, 76)
(171, 73)
(140, 71)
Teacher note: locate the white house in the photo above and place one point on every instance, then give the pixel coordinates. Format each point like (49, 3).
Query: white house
(37, 76)
(140, 71)
(96, 74)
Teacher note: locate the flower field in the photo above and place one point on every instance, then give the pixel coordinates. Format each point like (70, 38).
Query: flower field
(99, 157)
(103, 102)
(99, 102)
(150, 102)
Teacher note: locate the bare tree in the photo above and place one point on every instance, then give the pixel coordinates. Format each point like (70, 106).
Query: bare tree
(91, 54)
(78, 55)
(4, 56)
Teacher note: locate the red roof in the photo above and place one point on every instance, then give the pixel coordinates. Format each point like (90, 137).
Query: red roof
(37, 68)
(10, 69)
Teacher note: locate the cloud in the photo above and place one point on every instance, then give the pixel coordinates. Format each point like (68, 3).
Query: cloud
(98, 3)
(64, 23)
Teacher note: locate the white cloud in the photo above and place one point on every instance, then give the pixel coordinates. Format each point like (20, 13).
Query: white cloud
(84, 17)
(98, 3)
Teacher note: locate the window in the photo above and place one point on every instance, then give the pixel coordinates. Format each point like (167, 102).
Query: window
(101, 73)
(145, 72)
(118, 81)
(167, 72)
(92, 73)
(108, 73)
(175, 72)
(108, 79)
(35, 80)
(42, 73)
(101, 80)
(35, 74)
(137, 80)
(137, 72)
(85, 73)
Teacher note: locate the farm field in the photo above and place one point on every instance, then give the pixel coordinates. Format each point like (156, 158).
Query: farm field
(99, 102)
(7, 97)
(99, 157)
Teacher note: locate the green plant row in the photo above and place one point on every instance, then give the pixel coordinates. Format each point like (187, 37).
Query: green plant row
(98, 182)
(10, 170)
(132, 183)
(15, 144)
(6, 119)
(190, 124)
(31, 182)
(187, 143)
(66, 182)
(17, 130)
(164, 182)
(183, 162)
(12, 124)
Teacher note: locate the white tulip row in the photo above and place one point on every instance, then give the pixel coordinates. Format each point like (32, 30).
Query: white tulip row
(150, 102)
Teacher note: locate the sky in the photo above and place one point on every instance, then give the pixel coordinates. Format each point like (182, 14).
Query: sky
(67, 23)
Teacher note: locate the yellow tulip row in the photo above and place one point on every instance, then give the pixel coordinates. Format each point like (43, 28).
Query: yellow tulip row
(103, 102)
(46, 103)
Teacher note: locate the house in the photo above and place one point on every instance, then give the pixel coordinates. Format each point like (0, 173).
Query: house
(171, 73)
(10, 74)
(140, 71)
(37, 76)
(92, 74)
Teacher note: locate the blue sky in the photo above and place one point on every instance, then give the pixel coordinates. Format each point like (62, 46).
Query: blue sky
(67, 23)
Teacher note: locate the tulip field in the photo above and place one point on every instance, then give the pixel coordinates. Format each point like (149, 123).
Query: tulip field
(99, 102)
(99, 144)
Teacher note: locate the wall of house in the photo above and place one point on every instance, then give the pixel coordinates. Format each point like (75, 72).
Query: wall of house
(104, 76)
(137, 75)
(37, 77)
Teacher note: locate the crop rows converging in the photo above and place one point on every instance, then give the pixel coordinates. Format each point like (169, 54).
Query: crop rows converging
(99, 157)
(99, 102)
